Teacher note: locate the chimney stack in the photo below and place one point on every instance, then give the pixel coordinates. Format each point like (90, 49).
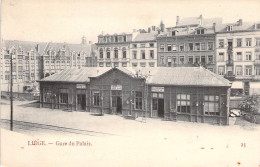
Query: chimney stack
(149, 29)
(200, 19)
(214, 27)
(240, 22)
(177, 20)
(83, 40)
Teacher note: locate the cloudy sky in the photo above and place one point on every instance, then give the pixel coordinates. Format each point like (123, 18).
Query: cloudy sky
(69, 20)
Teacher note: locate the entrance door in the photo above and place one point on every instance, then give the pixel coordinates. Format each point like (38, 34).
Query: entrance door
(116, 97)
(161, 108)
(81, 98)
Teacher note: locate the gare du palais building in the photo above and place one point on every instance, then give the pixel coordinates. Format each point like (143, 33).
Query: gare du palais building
(192, 94)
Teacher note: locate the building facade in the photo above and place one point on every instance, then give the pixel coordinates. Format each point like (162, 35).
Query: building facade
(32, 61)
(238, 56)
(190, 43)
(197, 96)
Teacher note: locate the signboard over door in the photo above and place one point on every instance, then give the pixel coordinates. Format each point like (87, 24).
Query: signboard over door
(81, 86)
(157, 89)
(116, 87)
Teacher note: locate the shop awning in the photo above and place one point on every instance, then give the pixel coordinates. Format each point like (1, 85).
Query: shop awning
(237, 85)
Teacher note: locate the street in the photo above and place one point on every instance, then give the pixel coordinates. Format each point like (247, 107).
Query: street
(78, 139)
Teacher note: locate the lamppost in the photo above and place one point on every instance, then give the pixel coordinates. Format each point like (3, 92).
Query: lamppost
(12, 51)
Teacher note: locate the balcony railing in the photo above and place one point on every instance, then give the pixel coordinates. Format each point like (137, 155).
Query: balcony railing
(230, 76)
(230, 62)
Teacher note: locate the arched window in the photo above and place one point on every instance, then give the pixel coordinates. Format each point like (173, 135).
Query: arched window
(101, 53)
(124, 52)
(108, 53)
(116, 53)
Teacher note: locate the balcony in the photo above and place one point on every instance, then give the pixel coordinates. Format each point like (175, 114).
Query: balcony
(257, 62)
(230, 48)
(230, 62)
(230, 76)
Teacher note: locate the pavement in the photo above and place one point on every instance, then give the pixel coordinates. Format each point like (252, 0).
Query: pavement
(154, 143)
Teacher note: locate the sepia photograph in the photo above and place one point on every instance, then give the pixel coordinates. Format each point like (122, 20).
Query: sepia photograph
(118, 83)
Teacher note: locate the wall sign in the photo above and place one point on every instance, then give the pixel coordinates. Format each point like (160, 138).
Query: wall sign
(81, 86)
(157, 89)
(116, 87)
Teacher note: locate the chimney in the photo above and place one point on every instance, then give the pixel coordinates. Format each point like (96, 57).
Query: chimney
(37, 48)
(200, 19)
(240, 21)
(83, 40)
(214, 27)
(149, 30)
(177, 20)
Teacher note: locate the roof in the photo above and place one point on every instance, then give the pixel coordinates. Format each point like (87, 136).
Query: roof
(196, 21)
(246, 26)
(145, 37)
(179, 76)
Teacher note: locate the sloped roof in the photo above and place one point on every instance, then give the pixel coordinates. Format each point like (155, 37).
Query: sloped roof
(196, 20)
(246, 26)
(145, 37)
(179, 76)
(25, 45)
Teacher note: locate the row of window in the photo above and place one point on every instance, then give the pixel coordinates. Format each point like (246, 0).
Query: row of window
(238, 56)
(142, 54)
(203, 46)
(239, 70)
(115, 64)
(142, 45)
(101, 53)
(239, 42)
(186, 59)
(116, 38)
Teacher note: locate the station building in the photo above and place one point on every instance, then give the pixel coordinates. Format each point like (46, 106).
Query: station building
(192, 94)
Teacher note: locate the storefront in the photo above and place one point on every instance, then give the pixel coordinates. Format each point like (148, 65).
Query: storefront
(192, 93)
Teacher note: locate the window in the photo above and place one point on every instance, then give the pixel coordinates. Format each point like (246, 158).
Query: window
(142, 45)
(239, 70)
(151, 54)
(162, 60)
(190, 59)
(20, 62)
(210, 59)
(258, 26)
(181, 47)
(108, 64)
(143, 54)
(20, 68)
(47, 94)
(257, 56)
(203, 46)
(124, 64)
(151, 64)
(6, 77)
(190, 46)
(221, 43)
(248, 42)
(134, 45)
(183, 103)
(248, 56)
(108, 53)
(221, 70)
(257, 71)
(151, 45)
(239, 56)
(174, 59)
(174, 48)
(138, 100)
(229, 28)
(143, 64)
(124, 53)
(169, 61)
(248, 70)
(116, 53)
(116, 64)
(169, 47)
(32, 74)
(162, 47)
(197, 46)
(239, 42)
(203, 59)
(257, 41)
(173, 33)
(20, 76)
(221, 56)
(210, 46)
(101, 64)
(134, 64)
(200, 31)
(134, 54)
(64, 96)
(211, 105)
(182, 59)
(96, 98)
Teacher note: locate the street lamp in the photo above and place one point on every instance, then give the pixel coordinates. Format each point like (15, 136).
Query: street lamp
(12, 51)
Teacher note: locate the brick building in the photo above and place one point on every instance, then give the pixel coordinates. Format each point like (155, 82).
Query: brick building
(183, 93)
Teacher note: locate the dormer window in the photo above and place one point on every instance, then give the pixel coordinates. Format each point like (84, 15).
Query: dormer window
(229, 28)
(200, 31)
(173, 33)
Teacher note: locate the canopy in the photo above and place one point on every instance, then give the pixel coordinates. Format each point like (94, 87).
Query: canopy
(237, 85)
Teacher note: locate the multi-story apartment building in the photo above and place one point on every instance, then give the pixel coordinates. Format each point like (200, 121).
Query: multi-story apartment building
(190, 43)
(238, 55)
(32, 61)
(136, 49)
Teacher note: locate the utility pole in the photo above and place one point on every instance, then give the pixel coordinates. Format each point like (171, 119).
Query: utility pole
(11, 90)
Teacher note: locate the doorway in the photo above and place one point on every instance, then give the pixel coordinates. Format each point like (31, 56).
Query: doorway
(116, 97)
(81, 99)
(158, 104)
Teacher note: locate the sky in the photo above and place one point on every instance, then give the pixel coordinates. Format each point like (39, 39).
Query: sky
(68, 20)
